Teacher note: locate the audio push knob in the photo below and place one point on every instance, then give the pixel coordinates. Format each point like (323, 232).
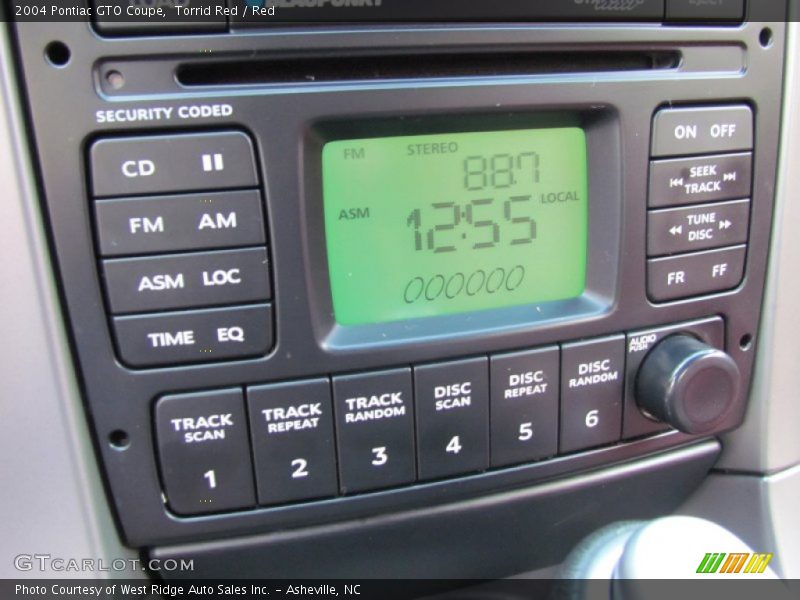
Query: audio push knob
(687, 384)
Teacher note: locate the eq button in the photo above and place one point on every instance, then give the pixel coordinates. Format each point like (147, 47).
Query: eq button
(452, 417)
(204, 452)
(592, 377)
(374, 430)
(524, 406)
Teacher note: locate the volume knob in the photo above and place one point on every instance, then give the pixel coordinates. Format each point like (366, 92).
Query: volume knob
(688, 384)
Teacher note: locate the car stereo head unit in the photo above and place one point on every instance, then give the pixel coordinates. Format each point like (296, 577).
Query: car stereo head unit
(371, 268)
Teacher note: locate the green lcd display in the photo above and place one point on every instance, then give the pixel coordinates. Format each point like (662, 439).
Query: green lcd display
(429, 225)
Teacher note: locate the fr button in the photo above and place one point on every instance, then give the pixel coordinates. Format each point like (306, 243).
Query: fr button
(292, 429)
(524, 406)
(204, 452)
(695, 274)
(452, 401)
(374, 430)
(592, 376)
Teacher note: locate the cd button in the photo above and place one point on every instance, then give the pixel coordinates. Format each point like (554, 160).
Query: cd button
(524, 406)
(685, 131)
(374, 430)
(187, 280)
(204, 452)
(592, 376)
(696, 180)
(695, 274)
(452, 402)
(678, 230)
(168, 223)
(196, 336)
(174, 163)
(292, 430)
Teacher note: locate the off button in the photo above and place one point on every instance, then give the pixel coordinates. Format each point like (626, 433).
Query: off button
(713, 129)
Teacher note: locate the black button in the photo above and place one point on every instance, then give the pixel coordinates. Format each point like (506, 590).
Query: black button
(591, 393)
(208, 19)
(705, 10)
(695, 274)
(452, 401)
(196, 336)
(685, 131)
(204, 452)
(634, 422)
(703, 179)
(524, 406)
(167, 223)
(292, 430)
(187, 280)
(172, 163)
(374, 430)
(677, 230)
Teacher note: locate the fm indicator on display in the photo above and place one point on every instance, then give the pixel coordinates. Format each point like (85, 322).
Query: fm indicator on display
(432, 225)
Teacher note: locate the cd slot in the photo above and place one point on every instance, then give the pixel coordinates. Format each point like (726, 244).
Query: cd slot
(359, 67)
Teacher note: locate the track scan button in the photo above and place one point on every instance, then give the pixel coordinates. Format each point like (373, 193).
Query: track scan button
(677, 230)
(706, 130)
(374, 430)
(172, 163)
(524, 406)
(195, 336)
(452, 401)
(187, 280)
(292, 429)
(168, 223)
(703, 179)
(695, 274)
(204, 452)
(592, 375)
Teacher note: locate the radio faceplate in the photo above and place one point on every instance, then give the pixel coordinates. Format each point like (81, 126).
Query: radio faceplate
(289, 304)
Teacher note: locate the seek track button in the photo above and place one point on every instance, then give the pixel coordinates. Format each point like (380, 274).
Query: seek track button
(702, 179)
(677, 230)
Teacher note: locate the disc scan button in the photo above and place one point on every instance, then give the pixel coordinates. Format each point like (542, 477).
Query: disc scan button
(695, 274)
(452, 402)
(703, 179)
(204, 452)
